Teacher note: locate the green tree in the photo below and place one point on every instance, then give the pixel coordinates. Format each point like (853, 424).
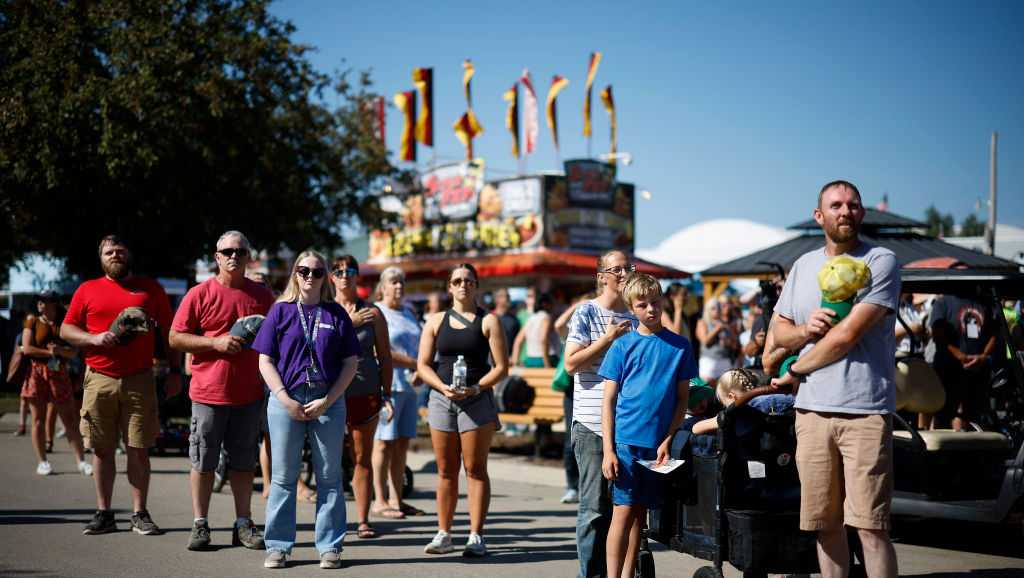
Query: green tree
(938, 224)
(170, 121)
(972, 226)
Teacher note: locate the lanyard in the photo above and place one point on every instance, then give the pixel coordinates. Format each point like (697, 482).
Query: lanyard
(309, 336)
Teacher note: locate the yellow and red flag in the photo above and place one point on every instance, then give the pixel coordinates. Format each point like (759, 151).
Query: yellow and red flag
(468, 127)
(595, 60)
(557, 84)
(406, 103)
(423, 78)
(511, 96)
(609, 105)
(467, 76)
(531, 127)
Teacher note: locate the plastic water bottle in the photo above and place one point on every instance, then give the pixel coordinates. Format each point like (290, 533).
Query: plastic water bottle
(459, 374)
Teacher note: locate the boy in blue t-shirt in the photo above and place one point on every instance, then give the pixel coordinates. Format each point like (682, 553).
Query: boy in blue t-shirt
(647, 375)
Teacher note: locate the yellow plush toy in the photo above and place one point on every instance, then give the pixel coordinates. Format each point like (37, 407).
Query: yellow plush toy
(840, 279)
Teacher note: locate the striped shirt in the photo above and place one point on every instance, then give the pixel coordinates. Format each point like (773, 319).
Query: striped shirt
(587, 325)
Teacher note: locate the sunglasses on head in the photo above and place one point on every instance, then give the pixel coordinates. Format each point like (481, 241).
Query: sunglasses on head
(305, 272)
(467, 281)
(232, 252)
(346, 272)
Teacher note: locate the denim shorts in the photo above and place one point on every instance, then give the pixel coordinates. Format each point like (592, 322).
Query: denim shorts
(635, 484)
(403, 423)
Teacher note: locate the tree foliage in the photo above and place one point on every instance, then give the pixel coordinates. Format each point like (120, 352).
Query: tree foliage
(939, 225)
(171, 121)
(972, 226)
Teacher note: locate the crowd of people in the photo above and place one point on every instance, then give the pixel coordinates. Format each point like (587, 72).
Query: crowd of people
(326, 364)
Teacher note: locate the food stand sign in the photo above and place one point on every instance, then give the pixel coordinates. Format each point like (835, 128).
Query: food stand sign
(589, 210)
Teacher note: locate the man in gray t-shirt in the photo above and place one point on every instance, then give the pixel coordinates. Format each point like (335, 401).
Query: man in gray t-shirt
(844, 381)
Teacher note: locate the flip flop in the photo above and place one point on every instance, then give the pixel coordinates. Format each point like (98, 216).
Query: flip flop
(410, 510)
(390, 513)
(365, 531)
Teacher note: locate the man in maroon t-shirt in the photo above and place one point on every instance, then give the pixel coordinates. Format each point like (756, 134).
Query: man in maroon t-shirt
(226, 390)
(120, 391)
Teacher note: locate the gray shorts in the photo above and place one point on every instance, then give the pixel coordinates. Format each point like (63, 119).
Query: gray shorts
(237, 427)
(465, 415)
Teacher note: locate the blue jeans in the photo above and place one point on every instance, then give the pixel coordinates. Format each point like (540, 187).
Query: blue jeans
(287, 437)
(595, 509)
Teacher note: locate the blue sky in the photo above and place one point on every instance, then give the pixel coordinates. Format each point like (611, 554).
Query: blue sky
(730, 109)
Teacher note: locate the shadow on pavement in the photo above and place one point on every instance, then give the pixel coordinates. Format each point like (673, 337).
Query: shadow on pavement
(989, 573)
(57, 516)
(978, 538)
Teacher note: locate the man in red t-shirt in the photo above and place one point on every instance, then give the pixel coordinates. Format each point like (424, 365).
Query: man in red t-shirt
(226, 390)
(120, 391)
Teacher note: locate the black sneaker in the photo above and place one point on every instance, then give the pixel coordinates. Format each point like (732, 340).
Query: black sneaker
(102, 523)
(200, 538)
(143, 524)
(247, 535)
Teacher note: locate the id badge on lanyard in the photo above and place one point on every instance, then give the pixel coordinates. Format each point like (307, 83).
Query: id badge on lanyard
(314, 377)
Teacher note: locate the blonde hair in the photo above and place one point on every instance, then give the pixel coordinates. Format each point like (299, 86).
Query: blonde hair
(291, 291)
(387, 276)
(638, 286)
(734, 381)
(600, 266)
(709, 304)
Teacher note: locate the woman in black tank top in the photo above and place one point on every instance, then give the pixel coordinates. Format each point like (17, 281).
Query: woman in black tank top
(462, 422)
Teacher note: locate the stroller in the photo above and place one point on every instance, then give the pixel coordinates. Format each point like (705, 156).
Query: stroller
(736, 500)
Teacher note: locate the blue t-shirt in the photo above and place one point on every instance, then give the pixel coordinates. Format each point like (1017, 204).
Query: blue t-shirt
(647, 369)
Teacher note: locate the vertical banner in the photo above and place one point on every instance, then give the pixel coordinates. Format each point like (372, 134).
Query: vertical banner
(423, 78)
(511, 96)
(531, 126)
(406, 103)
(609, 105)
(595, 60)
(467, 127)
(557, 84)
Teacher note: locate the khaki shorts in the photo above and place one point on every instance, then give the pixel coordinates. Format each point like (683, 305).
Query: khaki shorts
(845, 465)
(116, 409)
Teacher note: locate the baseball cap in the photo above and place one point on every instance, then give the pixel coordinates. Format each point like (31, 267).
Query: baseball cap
(247, 327)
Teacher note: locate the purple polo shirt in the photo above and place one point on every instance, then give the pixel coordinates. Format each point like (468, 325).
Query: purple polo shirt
(280, 337)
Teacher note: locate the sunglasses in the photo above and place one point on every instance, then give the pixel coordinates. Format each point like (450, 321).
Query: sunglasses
(457, 282)
(305, 272)
(619, 269)
(348, 272)
(232, 252)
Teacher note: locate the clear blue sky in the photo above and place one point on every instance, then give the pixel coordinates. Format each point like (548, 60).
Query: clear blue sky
(731, 109)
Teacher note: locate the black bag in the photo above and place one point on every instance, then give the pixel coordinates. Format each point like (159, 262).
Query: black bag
(513, 395)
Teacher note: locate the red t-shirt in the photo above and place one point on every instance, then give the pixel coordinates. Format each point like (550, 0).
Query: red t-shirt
(210, 309)
(98, 302)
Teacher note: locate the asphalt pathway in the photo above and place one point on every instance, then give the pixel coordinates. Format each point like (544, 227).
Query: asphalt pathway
(528, 532)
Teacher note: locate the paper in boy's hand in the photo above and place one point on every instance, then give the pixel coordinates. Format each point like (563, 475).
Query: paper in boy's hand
(668, 467)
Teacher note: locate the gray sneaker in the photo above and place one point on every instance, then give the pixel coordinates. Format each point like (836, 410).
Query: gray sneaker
(441, 544)
(143, 524)
(475, 547)
(275, 559)
(247, 535)
(330, 560)
(102, 523)
(200, 537)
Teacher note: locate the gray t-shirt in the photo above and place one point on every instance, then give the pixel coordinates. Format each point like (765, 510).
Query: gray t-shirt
(863, 382)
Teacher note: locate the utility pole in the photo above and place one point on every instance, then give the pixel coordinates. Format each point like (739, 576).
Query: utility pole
(990, 227)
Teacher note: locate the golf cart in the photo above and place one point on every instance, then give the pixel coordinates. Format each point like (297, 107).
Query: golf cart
(974, 475)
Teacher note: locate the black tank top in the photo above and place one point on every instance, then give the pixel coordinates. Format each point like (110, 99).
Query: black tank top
(468, 342)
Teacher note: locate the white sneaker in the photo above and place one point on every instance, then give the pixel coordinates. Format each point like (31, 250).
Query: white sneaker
(441, 544)
(44, 469)
(85, 468)
(475, 547)
(61, 433)
(571, 497)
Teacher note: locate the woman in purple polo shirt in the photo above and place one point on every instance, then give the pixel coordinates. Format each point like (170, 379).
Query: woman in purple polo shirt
(308, 357)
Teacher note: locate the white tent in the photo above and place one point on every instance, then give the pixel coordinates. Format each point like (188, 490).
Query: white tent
(704, 244)
(1009, 242)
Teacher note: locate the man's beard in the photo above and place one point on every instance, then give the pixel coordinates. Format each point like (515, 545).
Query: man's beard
(838, 235)
(117, 270)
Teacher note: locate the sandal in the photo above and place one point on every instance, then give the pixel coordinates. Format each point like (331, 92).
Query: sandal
(365, 531)
(410, 510)
(390, 513)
